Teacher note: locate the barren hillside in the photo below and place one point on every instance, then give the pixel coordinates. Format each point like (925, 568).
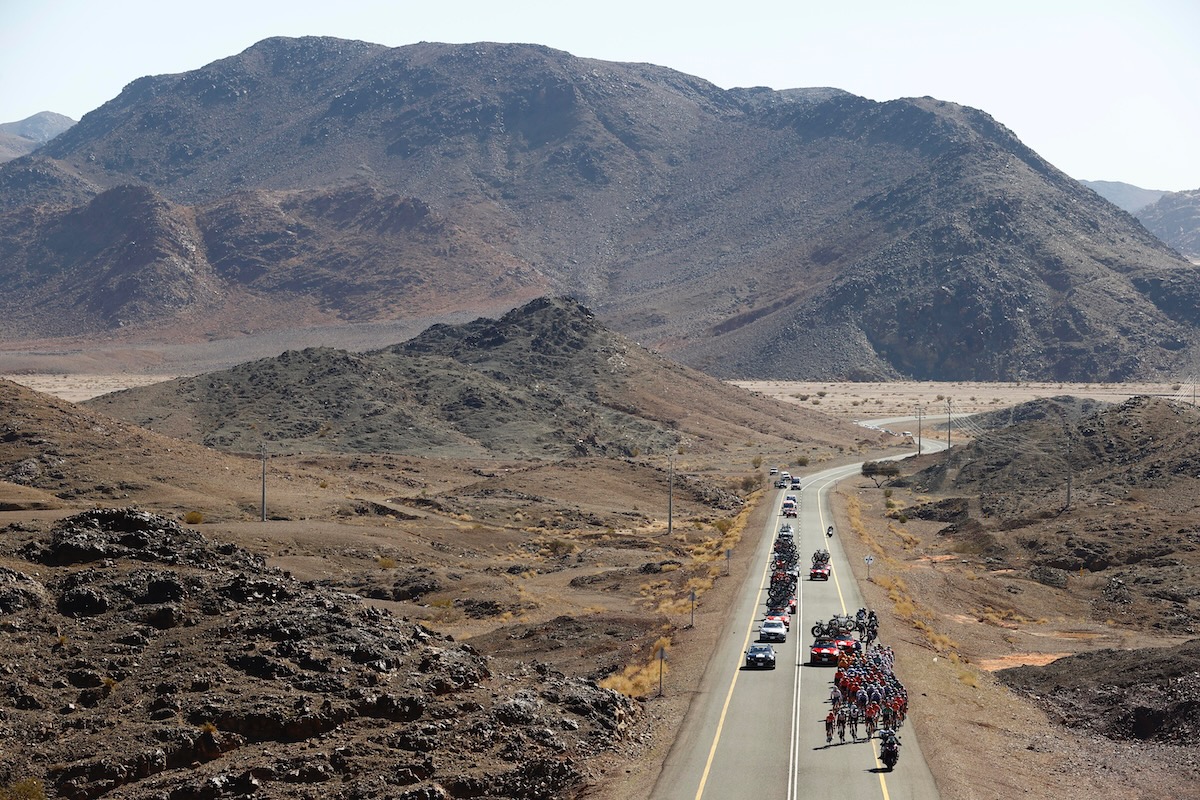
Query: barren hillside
(805, 233)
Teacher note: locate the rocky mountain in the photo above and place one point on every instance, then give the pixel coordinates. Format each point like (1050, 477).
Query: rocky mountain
(1175, 219)
(25, 136)
(545, 380)
(749, 232)
(1125, 196)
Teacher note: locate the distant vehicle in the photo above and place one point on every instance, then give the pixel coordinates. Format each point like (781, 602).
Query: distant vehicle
(778, 614)
(823, 651)
(787, 476)
(795, 482)
(819, 572)
(782, 484)
(906, 433)
(789, 506)
(774, 470)
(785, 528)
(772, 630)
(760, 656)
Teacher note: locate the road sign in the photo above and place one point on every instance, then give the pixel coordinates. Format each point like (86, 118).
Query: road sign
(869, 560)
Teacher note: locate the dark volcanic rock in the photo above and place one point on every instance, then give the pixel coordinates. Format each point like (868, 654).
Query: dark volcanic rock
(1148, 694)
(204, 669)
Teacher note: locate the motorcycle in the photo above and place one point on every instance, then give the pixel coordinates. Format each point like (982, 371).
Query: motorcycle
(889, 753)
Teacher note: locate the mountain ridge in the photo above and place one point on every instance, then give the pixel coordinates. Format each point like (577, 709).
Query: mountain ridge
(717, 226)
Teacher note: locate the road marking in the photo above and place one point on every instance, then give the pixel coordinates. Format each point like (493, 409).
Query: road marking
(879, 768)
(821, 515)
(712, 751)
(793, 785)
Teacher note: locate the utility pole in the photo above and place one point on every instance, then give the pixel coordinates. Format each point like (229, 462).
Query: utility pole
(670, 494)
(948, 423)
(263, 451)
(1069, 471)
(918, 429)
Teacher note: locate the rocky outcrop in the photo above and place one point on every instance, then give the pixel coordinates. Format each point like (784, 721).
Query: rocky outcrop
(210, 675)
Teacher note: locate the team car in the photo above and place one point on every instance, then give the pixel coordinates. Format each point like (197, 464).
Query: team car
(760, 656)
(846, 642)
(819, 572)
(781, 615)
(772, 630)
(824, 651)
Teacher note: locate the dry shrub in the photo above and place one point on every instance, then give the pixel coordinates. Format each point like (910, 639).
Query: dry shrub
(26, 789)
(387, 562)
(639, 680)
(193, 518)
(677, 605)
(557, 548)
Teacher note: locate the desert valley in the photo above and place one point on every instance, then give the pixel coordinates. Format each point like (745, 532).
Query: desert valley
(375, 422)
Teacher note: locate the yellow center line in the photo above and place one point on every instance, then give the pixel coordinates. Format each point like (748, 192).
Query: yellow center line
(712, 752)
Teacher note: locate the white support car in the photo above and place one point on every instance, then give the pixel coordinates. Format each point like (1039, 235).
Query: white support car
(772, 630)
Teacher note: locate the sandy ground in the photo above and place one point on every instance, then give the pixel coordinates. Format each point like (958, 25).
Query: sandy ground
(861, 401)
(79, 387)
(857, 401)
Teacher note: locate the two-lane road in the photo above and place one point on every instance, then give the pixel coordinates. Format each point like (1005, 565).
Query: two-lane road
(761, 733)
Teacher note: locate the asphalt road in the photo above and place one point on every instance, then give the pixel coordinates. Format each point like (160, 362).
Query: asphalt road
(761, 733)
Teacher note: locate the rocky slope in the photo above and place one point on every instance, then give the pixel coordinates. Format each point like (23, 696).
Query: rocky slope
(1125, 196)
(748, 232)
(545, 380)
(207, 674)
(1146, 694)
(1129, 527)
(25, 136)
(1175, 218)
(1032, 549)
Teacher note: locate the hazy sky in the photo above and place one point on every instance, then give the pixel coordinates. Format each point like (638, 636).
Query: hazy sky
(1103, 89)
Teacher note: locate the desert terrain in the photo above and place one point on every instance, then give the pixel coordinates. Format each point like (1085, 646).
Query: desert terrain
(562, 579)
(858, 401)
